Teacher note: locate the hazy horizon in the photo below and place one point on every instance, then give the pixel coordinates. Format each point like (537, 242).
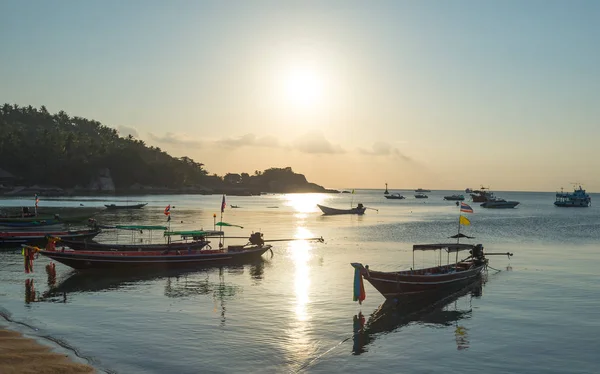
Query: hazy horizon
(441, 95)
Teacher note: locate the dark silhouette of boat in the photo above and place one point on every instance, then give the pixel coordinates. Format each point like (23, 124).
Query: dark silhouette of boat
(360, 209)
(395, 196)
(135, 206)
(498, 203)
(454, 197)
(16, 238)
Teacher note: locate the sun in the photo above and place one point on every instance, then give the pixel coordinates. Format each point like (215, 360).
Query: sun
(304, 87)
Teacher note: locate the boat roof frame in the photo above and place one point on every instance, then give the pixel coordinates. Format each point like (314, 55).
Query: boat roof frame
(449, 247)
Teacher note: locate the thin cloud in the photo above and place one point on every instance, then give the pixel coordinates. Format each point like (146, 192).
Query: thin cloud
(384, 149)
(250, 140)
(316, 143)
(126, 130)
(174, 139)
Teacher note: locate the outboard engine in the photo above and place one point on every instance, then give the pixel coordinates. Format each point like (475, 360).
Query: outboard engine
(256, 238)
(477, 254)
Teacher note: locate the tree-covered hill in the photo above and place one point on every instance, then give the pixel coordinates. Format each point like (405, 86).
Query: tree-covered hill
(69, 152)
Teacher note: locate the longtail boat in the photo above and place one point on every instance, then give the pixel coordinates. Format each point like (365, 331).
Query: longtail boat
(189, 240)
(360, 209)
(42, 224)
(169, 258)
(50, 219)
(408, 285)
(29, 237)
(161, 259)
(134, 206)
(422, 282)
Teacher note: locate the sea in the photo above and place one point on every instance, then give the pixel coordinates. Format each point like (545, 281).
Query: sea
(293, 311)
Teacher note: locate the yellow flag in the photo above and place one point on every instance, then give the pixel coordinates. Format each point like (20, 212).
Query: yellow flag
(464, 221)
(353, 190)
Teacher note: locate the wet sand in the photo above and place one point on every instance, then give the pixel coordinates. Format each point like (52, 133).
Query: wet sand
(22, 355)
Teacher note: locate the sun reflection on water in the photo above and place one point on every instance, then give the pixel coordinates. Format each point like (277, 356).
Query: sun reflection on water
(300, 255)
(300, 345)
(305, 202)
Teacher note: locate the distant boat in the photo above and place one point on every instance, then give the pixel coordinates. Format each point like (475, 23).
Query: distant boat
(578, 199)
(422, 190)
(468, 190)
(455, 197)
(11, 238)
(482, 195)
(396, 196)
(498, 203)
(360, 209)
(135, 206)
(421, 196)
(234, 206)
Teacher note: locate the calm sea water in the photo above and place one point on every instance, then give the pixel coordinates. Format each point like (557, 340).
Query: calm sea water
(293, 311)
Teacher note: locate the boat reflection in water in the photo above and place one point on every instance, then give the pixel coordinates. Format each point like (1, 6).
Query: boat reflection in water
(440, 311)
(179, 283)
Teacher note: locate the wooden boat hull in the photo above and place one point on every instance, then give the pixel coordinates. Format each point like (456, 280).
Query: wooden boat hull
(127, 260)
(16, 238)
(116, 207)
(86, 245)
(413, 284)
(333, 211)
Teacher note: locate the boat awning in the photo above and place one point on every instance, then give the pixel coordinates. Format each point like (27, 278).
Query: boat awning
(141, 227)
(194, 233)
(449, 247)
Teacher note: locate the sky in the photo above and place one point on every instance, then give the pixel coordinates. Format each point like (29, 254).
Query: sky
(352, 94)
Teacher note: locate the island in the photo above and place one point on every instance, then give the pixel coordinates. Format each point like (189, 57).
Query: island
(57, 154)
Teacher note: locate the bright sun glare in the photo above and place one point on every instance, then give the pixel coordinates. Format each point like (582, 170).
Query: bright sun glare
(304, 87)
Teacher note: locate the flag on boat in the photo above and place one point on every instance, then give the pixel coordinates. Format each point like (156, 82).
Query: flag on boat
(465, 208)
(168, 210)
(359, 287)
(353, 190)
(223, 204)
(37, 200)
(464, 221)
(228, 225)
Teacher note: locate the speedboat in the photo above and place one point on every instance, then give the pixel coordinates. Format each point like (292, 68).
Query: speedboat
(455, 197)
(421, 196)
(394, 196)
(498, 203)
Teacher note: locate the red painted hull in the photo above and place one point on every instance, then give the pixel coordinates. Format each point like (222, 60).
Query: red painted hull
(422, 282)
(154, 259)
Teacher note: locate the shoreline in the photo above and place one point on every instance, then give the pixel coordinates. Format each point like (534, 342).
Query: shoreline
(22, 354)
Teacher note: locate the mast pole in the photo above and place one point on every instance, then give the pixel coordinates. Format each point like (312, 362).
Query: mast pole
(458, 236)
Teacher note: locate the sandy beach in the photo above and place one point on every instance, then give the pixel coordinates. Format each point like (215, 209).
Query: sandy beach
(22, 355)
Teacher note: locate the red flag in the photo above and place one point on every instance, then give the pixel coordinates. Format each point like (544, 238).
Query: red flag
(223, 204)
(168, 210)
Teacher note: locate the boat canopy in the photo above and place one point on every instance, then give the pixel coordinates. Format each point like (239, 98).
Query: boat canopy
(140, 227)
(193, 233)
(449, 247)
